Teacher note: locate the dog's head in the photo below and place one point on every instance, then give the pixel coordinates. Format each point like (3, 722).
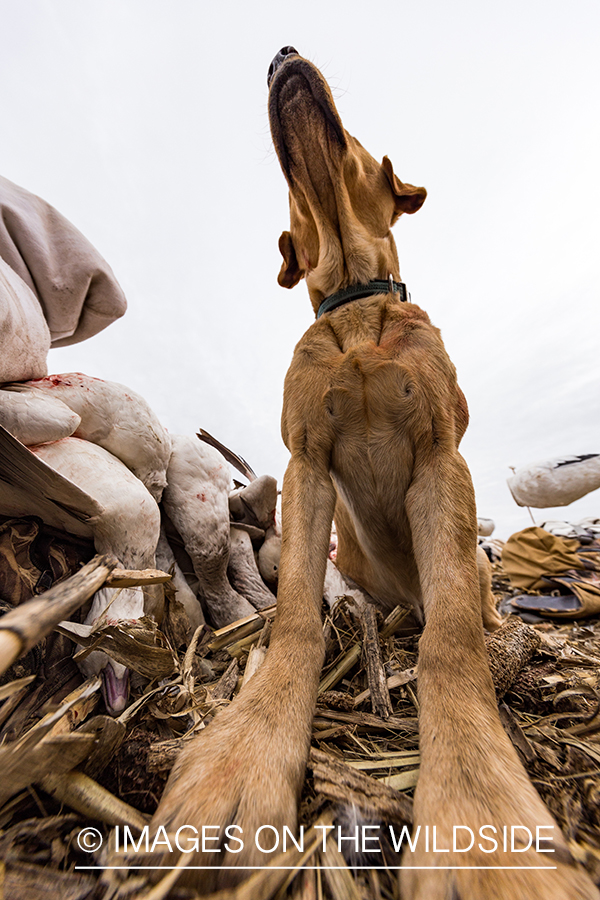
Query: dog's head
(342, 202)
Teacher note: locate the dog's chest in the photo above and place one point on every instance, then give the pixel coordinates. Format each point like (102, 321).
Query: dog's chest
(367, 380)
(377, 373)
(369, 393)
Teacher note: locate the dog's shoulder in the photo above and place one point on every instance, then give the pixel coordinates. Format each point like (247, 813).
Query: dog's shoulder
(317, 345)
(305, 387)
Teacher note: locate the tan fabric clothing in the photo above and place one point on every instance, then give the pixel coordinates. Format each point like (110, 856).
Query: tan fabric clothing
(533, 552)
(586, 587)
(75, 287)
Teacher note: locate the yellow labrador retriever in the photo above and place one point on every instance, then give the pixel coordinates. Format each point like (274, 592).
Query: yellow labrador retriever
(372, 417)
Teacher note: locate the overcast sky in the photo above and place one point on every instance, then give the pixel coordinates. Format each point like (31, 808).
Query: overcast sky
(144, 122)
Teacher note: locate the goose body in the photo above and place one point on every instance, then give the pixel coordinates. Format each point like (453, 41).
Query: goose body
(117, 419)
(555, 482)
(196, 501)
(36, 418)
(128, 528)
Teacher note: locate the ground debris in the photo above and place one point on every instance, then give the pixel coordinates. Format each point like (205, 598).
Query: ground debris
(547, 674)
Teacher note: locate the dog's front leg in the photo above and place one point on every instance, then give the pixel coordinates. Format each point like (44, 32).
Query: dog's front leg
(246, 769)
(471, 784)
(308, 502)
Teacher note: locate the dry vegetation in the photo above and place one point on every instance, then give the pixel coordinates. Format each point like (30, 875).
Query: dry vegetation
(66, 766)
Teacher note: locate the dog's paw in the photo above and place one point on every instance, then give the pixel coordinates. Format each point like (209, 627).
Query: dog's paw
(231, 793)
(471, 876)
(504, 846)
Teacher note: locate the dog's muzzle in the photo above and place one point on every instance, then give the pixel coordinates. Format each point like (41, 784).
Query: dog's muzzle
(277, 61)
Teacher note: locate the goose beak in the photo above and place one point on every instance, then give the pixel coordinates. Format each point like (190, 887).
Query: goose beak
(115, 687)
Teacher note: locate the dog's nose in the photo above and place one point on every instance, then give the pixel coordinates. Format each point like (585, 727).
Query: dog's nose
(278, 59)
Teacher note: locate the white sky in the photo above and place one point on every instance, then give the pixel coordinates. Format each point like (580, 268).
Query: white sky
(144, 122)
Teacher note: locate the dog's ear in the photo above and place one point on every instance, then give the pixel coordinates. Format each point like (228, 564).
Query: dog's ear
(407, 197)
(290, 272)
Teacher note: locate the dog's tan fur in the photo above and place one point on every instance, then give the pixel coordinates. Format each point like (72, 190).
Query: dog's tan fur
(372, 417)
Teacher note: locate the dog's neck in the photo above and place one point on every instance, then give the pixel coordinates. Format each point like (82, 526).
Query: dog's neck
(356, 291)
(348, 261)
